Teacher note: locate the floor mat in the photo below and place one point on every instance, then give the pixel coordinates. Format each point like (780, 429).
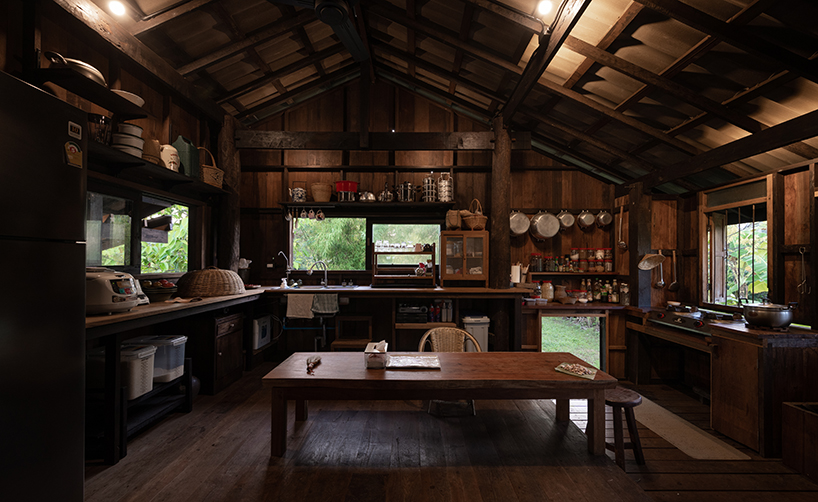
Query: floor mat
(683, 435)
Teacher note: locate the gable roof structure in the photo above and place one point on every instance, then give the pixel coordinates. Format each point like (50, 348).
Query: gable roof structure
(681, 95)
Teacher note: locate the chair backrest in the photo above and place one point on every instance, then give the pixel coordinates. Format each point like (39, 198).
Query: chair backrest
(448, 340)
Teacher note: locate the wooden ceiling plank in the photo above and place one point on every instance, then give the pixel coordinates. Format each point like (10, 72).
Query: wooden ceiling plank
(734, 35)
(156, 20)
(528, 22)
(410, 35)
(680, 92)
(465, 29)
(275, 75)
(278, 29)
(786, 133)
(301, 33)
(567, 18)
(98, 21)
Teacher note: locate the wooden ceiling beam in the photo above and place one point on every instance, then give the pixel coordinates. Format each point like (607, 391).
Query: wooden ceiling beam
(302, 36)
(154, 21)
(567, 18)
(530, 23)
(465, 29)
(410, 35)
(734, 35)
(786, 133)
(276, 74)
(383, 141)
(279, 28)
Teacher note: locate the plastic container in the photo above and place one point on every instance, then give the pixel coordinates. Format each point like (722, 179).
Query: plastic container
(136, 369)
(478, 327)
(169, 360)
(261, 332)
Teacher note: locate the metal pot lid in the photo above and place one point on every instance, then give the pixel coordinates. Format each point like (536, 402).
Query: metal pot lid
(772, 307)
(519, 223)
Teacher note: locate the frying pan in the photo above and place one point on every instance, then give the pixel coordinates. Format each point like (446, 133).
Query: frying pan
(80, 67)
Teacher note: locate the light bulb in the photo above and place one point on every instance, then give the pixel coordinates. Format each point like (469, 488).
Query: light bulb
(544, 7)
(117, 8)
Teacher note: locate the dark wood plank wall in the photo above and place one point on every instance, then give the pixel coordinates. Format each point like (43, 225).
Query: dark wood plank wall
(799, 197)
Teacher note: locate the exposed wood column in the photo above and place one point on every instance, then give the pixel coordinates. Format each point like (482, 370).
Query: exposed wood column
(812, 297)
(639, 232)
(775, 256)
(229, 213)
(500, 235)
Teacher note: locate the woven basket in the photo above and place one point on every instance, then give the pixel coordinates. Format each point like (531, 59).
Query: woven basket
(211, 281)
(211, 174)
(453, 220)
(321, 192)
(475, 221)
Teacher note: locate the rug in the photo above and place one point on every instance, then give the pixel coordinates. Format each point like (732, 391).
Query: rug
(685, 436)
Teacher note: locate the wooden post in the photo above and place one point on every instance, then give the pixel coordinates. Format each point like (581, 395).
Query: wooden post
(500, 235)
(229, 211)
(775, 256)
(639, 232)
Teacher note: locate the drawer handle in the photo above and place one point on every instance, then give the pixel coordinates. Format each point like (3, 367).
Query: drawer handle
(220, 354)
(232, 324)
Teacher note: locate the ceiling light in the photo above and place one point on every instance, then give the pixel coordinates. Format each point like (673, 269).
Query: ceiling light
(544, 7)
(117, 8)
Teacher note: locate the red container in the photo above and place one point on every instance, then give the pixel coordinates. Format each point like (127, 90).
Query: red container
(346, 186)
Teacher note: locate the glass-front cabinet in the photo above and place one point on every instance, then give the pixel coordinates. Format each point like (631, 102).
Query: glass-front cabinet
(464, 256)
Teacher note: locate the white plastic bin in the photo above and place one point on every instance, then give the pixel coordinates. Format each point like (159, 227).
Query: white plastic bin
(478, 327)
(261, 332)
(169, 361)
(136, 368)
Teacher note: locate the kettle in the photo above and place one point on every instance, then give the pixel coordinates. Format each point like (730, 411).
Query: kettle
(170, 156)
(386, 195)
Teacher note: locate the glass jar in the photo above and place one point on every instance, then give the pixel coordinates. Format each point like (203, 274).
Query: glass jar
(599, 253)
(607, 254)
(547, 290)
(535, 262)
(624, 294)
(574, 254)
(583, 265)
(608, 265)
(582, 294)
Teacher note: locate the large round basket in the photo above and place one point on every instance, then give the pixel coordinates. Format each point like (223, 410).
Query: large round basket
(476, 220)
(321, 192)
(211, 281)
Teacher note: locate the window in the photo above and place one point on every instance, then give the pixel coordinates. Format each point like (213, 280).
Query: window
(736, 260)
(144, 235)
(338, 242)
(406, 235)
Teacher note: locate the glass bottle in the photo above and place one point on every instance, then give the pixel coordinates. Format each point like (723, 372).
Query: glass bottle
(614, 296)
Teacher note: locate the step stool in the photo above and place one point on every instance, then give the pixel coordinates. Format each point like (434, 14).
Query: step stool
(622, 399)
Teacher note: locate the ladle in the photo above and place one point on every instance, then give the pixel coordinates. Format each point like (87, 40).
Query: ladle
(661, 282)
(674, 286)
(622, 244)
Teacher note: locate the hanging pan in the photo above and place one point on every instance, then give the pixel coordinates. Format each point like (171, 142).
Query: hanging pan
(519, 223)
(544, 225)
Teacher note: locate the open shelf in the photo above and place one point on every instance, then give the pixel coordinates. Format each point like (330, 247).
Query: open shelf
(72, 81)
(425, 325)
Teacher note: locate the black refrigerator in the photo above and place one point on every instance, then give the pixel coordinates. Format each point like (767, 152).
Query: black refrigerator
(42, 295)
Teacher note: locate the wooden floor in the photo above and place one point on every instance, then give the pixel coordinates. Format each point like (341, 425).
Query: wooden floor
(394, 450)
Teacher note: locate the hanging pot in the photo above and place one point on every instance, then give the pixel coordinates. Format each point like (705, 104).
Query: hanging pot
(519, 223)
(544, 225)
(566, 219)
(603, 219)
(585, 219)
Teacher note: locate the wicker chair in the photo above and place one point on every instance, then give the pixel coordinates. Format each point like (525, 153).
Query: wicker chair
(448, 340)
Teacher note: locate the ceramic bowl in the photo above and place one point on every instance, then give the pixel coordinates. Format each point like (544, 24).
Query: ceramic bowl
(133, 98)
(132, 129)
(128, 140)
(136, 152)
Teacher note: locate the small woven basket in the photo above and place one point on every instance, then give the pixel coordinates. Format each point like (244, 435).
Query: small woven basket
(211, 174)
(475, 221)
(453, 220)
(321, 192)
(211, 281)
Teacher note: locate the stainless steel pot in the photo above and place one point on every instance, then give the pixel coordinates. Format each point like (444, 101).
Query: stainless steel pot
(518, 223)
(566, 219)
(769, 315)
(544, 225)
(406, 192)
(366, 197)
(80, 67)
(585, 219)
(386, 195)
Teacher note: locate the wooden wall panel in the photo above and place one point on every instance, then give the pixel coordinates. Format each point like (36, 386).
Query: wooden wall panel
(663, 236)
(796, 208)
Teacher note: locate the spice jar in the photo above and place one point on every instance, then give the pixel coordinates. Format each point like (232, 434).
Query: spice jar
(583, 265)
(535, 262)
(574, 254)
(599, 253)
(547, 290)
(607, 255)
(608, 265)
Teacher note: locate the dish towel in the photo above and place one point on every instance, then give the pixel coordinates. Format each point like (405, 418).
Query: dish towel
(325, 304)
(300, 306)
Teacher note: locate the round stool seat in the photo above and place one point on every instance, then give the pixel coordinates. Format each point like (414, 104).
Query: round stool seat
(623, 397)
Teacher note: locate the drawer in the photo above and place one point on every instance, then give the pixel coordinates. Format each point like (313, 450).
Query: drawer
(225, 325)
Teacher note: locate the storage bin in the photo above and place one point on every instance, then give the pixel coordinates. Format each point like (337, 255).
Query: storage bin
(478, 327)
(261, 332)
(169, 360)
(136, 369)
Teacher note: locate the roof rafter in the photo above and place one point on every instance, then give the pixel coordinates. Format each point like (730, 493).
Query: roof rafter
(155, 21)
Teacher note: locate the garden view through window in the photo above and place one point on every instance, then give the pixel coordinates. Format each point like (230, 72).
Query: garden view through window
(341, 242)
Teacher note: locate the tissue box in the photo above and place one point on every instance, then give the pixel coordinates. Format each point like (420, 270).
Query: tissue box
(373, 358)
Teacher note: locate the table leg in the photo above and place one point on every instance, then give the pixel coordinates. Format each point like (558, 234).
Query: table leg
(278, 425)
(596, 423)
(563, 410)
(301, 410)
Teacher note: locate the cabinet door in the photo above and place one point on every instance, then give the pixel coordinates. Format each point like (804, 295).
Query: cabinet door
(476, 252)
(452, 257)
(228, 359)
(734, 402)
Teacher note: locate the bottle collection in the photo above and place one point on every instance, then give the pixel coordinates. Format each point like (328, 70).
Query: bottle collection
(578, 260)
(590, 290)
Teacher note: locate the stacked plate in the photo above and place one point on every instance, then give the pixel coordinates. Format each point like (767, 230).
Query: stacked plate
(128, 138)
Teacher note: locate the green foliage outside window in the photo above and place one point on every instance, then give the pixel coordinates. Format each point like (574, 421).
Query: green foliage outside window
(339, 242)
(746, 265)
(172, 256)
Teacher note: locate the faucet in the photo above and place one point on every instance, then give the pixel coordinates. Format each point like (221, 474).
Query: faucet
(288, 264)
(322, 262)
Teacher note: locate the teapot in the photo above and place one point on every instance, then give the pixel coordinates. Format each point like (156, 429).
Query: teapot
(170, 157)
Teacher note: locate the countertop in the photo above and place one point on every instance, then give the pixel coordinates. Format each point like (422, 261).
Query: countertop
(739, 330)
(393, 291)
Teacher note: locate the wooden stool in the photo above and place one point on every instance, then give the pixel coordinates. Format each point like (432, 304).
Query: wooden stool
(359, 325)
(622, 399)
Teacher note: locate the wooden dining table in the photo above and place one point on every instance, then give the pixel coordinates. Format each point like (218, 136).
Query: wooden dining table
(461, 375)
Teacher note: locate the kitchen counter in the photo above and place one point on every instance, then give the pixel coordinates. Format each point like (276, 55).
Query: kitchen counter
(579, 307)
(794, 336)
(145, 315)
(403, 292)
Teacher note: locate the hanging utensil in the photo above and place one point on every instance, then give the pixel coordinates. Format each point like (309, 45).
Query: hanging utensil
(661, 282)
(622, 244)
(674, 286)
(802, 287)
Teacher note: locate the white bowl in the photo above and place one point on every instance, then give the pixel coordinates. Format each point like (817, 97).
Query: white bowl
(132, 129)
(583, 300)
(128, 140)
(542, 301)
(674, 304)
(136, 152)
(133, 98)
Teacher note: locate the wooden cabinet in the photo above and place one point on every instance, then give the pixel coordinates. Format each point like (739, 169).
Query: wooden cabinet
(395, 268)
(464, 256)
(218, 354)
(734, 409)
